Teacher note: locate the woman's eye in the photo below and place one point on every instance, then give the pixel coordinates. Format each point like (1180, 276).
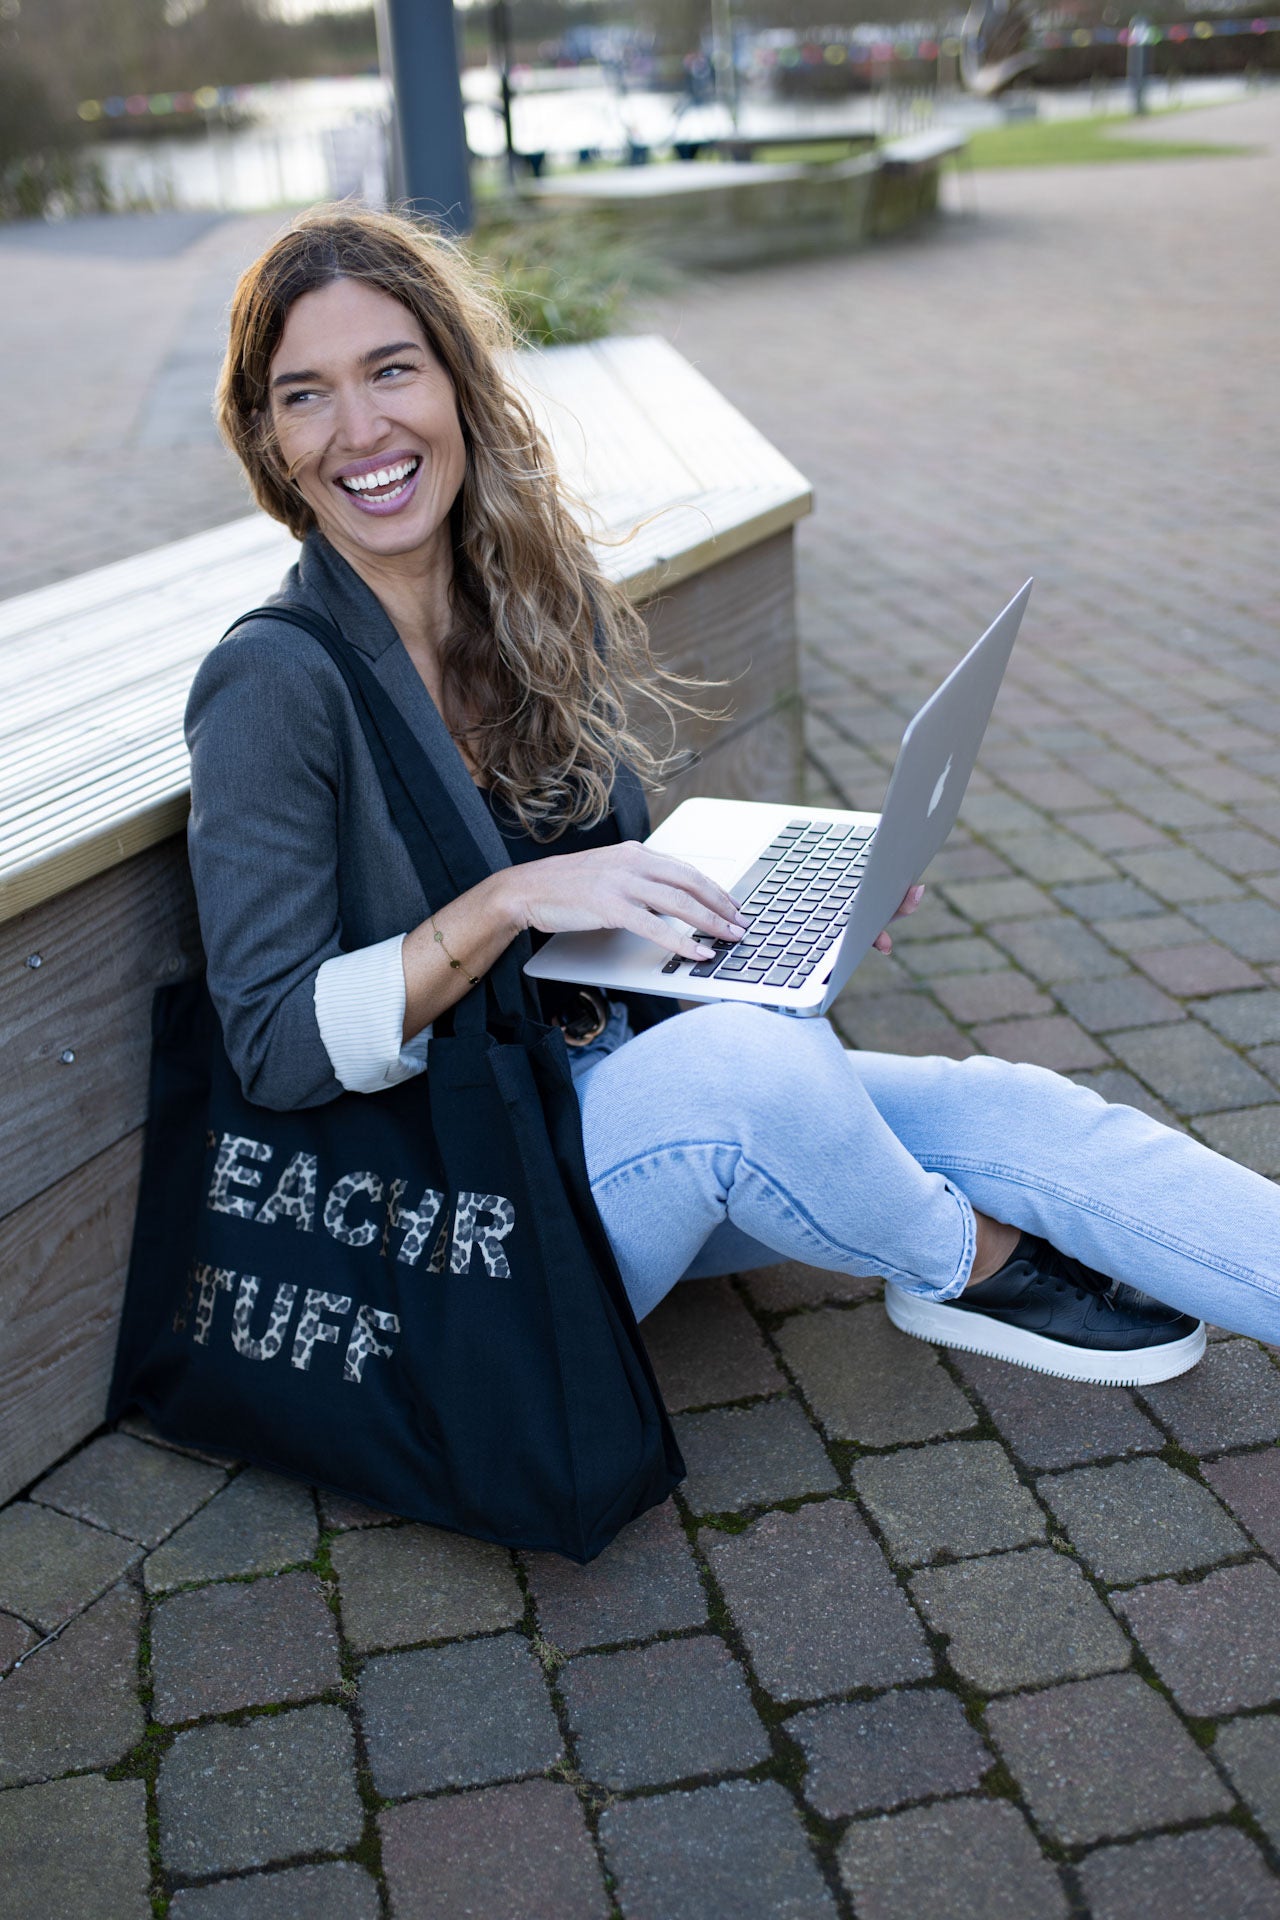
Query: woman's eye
(392, 369)
(299, 393)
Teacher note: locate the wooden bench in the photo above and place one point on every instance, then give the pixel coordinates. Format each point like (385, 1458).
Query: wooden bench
(96, 908)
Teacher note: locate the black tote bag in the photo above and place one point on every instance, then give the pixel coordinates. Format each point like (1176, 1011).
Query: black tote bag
(408, 1297)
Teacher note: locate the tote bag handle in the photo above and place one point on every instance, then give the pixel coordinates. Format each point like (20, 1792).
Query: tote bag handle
(444, 855)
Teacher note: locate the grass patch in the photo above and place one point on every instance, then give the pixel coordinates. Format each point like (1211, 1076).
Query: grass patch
(1074, 143)
(561, 277)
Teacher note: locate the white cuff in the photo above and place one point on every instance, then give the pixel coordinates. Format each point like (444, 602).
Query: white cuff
(359, 1001)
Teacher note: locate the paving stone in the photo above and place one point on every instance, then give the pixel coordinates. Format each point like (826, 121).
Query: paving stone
(983, 900)
(981, 1852)
(339, 1513)
(1250, 928)
(705, 1347)
(1231, 1399)
(232, 1797)
(1112, 830)
(1106, 900)
(1121, 1089)
(1054, 1042)
(74, 1704)
(138, 1427)
(1197, 969)
(1178, 875)
(731, 1852)
(337, 1890)
(817, 1607)
(886, 1752)
(959, 860)
(963, 1498)
(1251, 1137)
(909, 1023)
(644, 1582)
(1105, 1757)
(520, 1850)
(1181, 1877)
(457, 1716)
(1058, 1423)
(1057, 949)
(791, 1284)
(967, 954)
(1213, 1644)
(130, 1488)
(16, 1637)
(51, 1566)
(1128, 1001)
(868, 1382)
(238, 1645)
(1141, 1517)
(746, 1456)
(1156, 932)
(991, 996)
(1054, 858)
(661, 1713)
(1250, 1485)
(1190, 1067)
(1250, 1751)
(402, 1584)
(1020, 1619)
(258, 1524)
(75, 1850)
(1247, 1019)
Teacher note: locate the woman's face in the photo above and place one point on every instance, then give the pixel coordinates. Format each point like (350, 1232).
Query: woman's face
(366, 420)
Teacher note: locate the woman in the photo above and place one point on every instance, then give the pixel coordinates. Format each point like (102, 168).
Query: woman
(1010, 1211)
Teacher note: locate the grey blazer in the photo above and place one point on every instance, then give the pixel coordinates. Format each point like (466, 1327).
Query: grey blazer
(293, 851)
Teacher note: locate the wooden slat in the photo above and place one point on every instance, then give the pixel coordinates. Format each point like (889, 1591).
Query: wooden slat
(104, 948)
(63, 1259)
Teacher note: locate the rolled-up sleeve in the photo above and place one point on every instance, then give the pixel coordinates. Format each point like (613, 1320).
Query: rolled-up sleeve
(262, 840)
(360, 1000)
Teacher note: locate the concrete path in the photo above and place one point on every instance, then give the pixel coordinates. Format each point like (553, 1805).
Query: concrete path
(920, 1640)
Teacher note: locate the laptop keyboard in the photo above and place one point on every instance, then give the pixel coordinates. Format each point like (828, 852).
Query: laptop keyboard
(793, 900)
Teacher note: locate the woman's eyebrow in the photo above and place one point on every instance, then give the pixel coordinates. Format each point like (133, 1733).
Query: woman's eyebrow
(366, 360)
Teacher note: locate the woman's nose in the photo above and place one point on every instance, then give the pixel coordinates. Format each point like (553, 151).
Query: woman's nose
(360, 419)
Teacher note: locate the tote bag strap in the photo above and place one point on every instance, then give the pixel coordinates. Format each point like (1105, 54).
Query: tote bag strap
(444, 855)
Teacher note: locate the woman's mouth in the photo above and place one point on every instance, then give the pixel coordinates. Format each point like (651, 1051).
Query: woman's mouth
(385, 489)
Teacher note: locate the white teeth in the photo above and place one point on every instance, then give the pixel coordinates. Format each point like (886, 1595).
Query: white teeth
(384, 477)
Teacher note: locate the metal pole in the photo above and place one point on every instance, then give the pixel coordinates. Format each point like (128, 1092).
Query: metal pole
(1136, 64)
(502, 48)
(417, 41)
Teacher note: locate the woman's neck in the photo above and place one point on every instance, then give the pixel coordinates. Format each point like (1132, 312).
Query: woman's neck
(414, 590)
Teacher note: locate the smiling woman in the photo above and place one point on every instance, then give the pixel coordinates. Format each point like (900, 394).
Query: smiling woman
(1011, 1211)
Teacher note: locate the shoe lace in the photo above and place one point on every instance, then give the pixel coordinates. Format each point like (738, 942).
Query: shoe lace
(1068, 1272)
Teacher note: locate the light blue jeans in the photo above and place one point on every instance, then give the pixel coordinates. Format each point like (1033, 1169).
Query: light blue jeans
(732, 1137)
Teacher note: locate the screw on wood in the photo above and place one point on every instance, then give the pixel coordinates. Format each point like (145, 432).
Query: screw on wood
(34, 960)
(66, 1056)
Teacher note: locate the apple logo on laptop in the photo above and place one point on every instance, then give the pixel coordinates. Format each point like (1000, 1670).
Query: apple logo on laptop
(942, 781)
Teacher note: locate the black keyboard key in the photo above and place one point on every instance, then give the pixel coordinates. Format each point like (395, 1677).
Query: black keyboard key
(778, 976)
(756, 971)
(674, 964)
(704, 968)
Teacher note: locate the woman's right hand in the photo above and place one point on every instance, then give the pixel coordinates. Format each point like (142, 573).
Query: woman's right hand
(628, 887)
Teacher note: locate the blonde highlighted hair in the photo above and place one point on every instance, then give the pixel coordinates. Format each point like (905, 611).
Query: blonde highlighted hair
(546, 658)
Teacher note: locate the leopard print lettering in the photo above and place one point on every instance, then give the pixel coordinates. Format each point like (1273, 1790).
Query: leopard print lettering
(277, 1321)
(312, 1328)
(294, 1197)
(418, 1221)
(363, 1342)
(209, 1280)
(468, 1233)
(440, 1251)
(226, 1170)
(340, 1197)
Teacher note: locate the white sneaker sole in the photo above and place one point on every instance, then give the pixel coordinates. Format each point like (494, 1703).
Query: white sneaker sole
(950, 1326)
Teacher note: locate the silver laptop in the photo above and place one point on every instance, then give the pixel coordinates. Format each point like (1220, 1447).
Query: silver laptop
(815, 884)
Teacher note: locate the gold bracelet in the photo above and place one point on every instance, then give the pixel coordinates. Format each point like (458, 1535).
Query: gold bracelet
(457, 965)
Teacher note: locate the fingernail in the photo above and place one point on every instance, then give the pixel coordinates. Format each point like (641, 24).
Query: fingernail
(737, 929)
(705, 953)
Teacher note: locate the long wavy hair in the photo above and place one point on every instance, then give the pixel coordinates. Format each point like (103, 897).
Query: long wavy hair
(547, 659)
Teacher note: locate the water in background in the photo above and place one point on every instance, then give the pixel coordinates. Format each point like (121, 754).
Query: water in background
(307, 140)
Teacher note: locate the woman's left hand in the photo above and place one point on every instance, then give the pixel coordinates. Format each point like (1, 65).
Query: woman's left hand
(914, 895)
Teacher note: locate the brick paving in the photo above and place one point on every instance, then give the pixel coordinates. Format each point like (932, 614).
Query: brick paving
(922, 1636)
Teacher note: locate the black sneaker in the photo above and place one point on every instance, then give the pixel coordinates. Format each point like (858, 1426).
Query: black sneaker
(1044, 1310)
